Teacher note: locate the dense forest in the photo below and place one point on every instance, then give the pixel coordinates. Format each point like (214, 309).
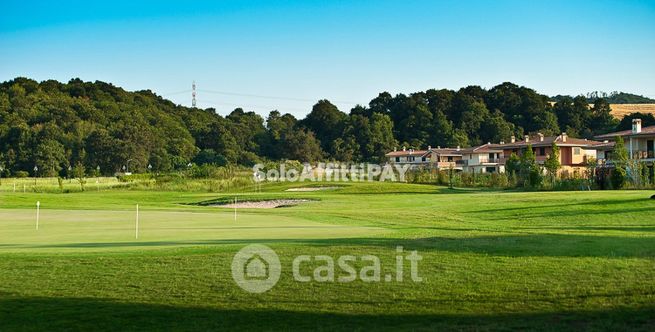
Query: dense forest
(613, 98)
(98, 126)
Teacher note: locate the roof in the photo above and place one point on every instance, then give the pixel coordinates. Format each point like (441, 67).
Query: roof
(650, 130)
(486, 148)
(536, 141)
(605, 146)
(420, 153)
(407, 153)
(548, 141)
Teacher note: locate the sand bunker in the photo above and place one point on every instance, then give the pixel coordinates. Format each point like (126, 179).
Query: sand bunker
(305, 189)
(270, 204)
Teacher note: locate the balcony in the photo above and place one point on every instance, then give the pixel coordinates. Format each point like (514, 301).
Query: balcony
(447, 164)
(643, 154)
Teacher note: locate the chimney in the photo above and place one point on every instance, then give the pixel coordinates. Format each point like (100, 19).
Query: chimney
(527, 138)
(395, 149)
(429, 147)
(403, 148)
(502, 142)
(606, 141)
(458, 148)
(564, 136)
(488, 143)
(438, 147)
(636, 126)
(513, 139)
(541, 137)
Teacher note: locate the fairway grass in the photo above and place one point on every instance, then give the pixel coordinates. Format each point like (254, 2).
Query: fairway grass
(491, 260)
(105, 230)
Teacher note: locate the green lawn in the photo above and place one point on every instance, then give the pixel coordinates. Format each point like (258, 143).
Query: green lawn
(491, 260)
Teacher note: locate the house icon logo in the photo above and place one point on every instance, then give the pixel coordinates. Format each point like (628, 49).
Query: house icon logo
(256, 268)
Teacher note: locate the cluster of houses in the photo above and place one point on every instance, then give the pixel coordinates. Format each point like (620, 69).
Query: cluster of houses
(575, 153)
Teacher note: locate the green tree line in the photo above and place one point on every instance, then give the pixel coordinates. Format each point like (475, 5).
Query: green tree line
(95, 125)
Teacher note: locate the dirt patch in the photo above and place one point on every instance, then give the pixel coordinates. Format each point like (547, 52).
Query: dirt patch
(270, 204)
(306, 189)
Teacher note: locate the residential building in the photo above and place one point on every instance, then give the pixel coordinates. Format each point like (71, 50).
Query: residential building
(486, 158)
(431, 158)
(574, 153)
(638, 141)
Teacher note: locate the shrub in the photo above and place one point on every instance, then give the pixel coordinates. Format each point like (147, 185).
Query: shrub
(21, 174)
(499, 180)
(618, 177)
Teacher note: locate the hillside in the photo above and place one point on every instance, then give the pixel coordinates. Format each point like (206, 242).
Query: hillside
(64, 128)
(612, 98)
(621, 110)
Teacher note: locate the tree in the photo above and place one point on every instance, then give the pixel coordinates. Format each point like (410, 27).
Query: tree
(327, 122)
(602, 120)
(301, 145)
(49, 156)
(620, 162)
(80, 173)
(513, 164)
(552, 163)
(530, 173)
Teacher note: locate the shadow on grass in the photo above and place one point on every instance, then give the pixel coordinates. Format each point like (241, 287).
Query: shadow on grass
(523, 208)
(548, 245)
(80, 314)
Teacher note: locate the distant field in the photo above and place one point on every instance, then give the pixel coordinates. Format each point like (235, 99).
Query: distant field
(491, 260)
(621, 110)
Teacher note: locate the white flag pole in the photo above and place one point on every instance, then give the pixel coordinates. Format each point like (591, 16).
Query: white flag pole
(38, 207)
(137, 222)
(235, 209)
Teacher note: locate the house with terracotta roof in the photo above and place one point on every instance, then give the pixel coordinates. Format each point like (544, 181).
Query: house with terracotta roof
(439, 158)
(638, 141)
(574, 153)
(487, 158)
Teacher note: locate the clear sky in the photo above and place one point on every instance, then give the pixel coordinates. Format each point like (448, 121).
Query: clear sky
(345, 51)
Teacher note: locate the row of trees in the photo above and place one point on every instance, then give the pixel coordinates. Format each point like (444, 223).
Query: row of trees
(55, 125)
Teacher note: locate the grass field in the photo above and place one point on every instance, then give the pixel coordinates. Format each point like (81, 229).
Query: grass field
(491, 260)
(621, 110)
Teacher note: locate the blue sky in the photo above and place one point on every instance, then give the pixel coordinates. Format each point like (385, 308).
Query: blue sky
(345, 51)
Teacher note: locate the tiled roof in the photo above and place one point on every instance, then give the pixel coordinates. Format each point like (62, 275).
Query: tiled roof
(486, 148)
(650, 130)
(536, 141)
(407, 153)
(548, 141)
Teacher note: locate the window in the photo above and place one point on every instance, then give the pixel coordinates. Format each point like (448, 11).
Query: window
(576, 151)
(411, 158)
(542, 151)
(450, 158)
(490, 169)
(422, 158)
(397, 159)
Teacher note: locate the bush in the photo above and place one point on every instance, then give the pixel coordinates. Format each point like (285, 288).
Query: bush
(618, 178)
(570, 184)
(21, 174)
(499, 180)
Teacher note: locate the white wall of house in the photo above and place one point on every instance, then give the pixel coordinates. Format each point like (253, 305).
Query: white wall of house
(473, 159)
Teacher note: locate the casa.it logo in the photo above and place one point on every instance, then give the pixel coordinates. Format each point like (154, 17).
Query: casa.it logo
(256, 268)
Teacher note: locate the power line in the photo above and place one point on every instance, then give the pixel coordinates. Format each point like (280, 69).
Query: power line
(270, 108)
(271, 97)
(175, 93)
